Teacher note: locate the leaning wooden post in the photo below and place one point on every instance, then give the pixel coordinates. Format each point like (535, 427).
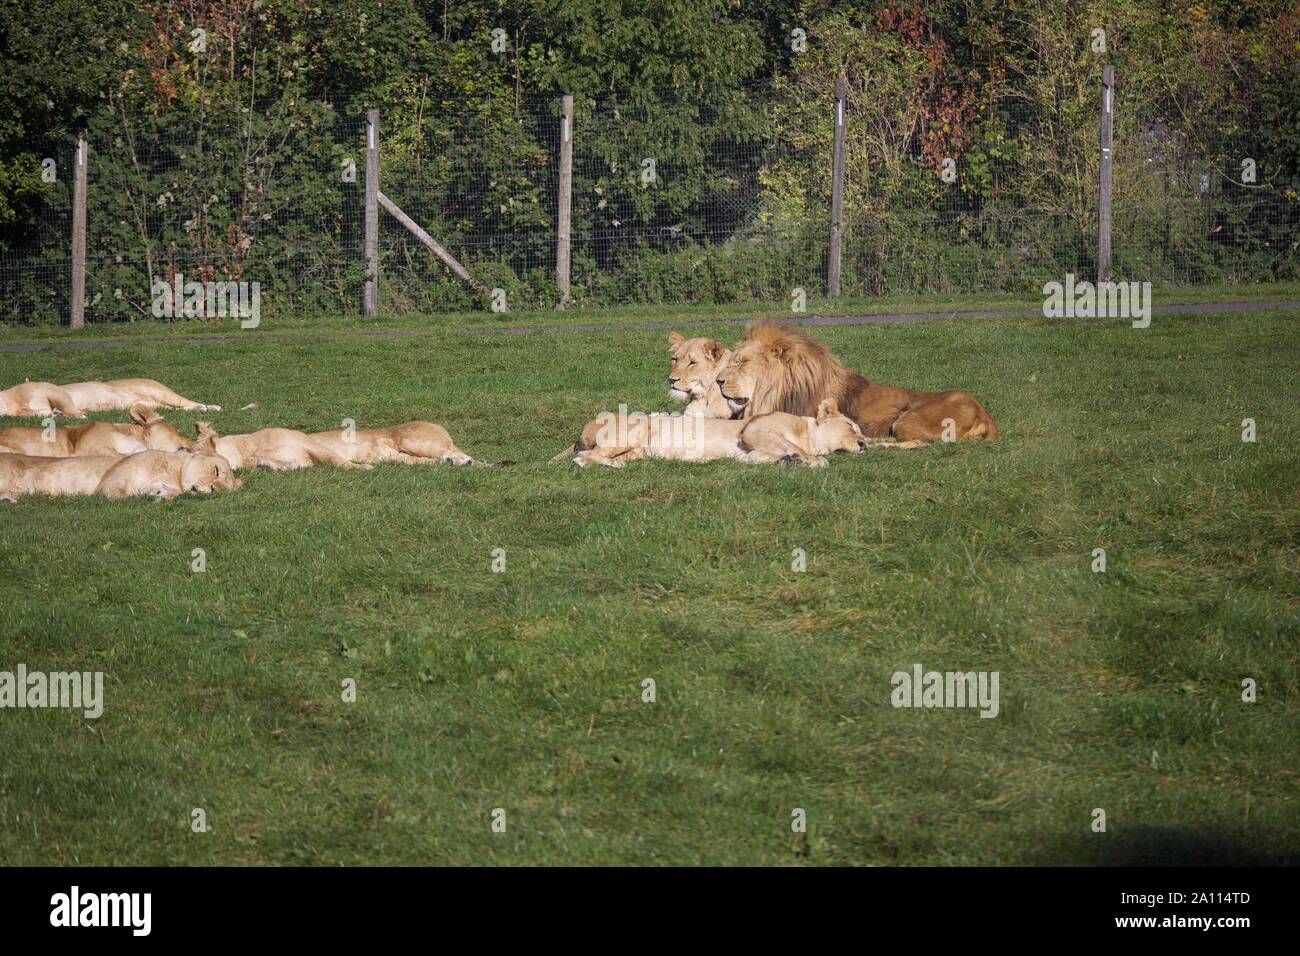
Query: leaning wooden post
(431, 244)
(564, 220)
(78, 317)
(837, 194)
(370, 299)
(1103, 196)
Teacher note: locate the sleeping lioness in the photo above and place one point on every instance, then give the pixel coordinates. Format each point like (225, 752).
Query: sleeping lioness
(167, 474)
(613, 440)
(414, 443)
(693, 375)
(158, 473)
(125, 392)
(148, 433)
(280, 449)
(692, 378)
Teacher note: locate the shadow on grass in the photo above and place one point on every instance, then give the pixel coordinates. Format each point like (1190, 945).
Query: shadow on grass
(1157, 845)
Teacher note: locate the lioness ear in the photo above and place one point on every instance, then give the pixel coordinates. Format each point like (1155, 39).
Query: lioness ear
(714, 349)
(675, 339)
(142, 414)
(827, 408)
(207, 438)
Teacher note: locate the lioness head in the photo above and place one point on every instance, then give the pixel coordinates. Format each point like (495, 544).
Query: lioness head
(203, 473)
(158, 435)
(694, 366)
(779, 369)
(835, 431)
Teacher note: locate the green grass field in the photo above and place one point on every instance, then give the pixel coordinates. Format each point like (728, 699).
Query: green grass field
(522, 690)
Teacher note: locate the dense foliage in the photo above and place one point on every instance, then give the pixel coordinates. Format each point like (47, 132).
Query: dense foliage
(223, 132)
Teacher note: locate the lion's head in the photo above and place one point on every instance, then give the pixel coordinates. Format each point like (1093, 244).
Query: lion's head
(778, 369)
(158, 434)
(204, 473)
(207, 469)
(694, 366)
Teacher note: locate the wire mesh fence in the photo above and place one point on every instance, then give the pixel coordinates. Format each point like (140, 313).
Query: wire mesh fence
(675, 199)
(480, 179)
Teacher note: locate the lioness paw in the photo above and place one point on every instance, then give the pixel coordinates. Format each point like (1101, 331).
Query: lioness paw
(586, 459)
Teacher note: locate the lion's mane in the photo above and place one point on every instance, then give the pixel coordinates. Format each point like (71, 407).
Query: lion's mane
(798, 371)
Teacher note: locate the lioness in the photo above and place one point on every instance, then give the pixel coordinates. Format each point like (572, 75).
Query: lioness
(414, 443)
(693, 374)
(775, 368)
(277, 448)
(613, 440)
(38, 398)
(125, 392)
(167, 474)
(160, 473)
(148, 433)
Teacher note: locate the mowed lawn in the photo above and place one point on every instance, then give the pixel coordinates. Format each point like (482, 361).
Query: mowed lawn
(522, 690)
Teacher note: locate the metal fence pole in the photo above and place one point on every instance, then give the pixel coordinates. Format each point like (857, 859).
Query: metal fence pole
(370, 299)
(1103, 196)
(78, 317)
(564, 221)
(837, 194)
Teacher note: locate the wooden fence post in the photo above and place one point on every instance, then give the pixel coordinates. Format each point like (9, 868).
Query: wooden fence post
(370, 299)
(1103, 195)
(837, 194)
(78, 316)
(564, 221)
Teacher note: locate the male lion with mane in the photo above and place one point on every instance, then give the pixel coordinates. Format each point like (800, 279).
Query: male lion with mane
(778, 369)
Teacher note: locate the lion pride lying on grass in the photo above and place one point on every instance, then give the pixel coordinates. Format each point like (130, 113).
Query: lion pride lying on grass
(775, 368)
